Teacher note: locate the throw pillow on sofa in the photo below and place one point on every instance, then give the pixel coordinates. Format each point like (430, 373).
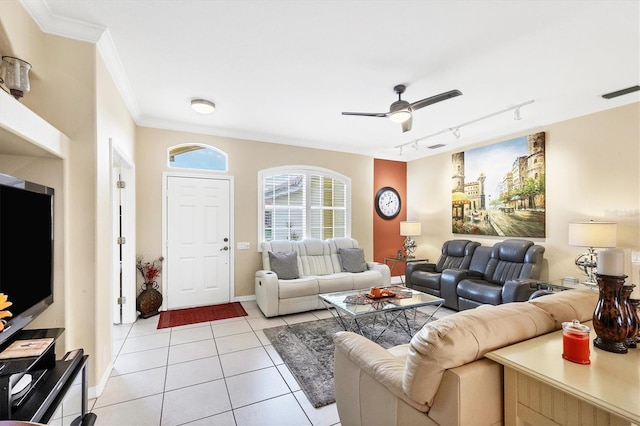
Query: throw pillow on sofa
(284, 264)
(352, 260)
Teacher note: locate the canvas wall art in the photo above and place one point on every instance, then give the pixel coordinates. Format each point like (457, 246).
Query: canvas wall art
(499, 189)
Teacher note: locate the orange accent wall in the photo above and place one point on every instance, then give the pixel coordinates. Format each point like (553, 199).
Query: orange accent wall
(386, 233)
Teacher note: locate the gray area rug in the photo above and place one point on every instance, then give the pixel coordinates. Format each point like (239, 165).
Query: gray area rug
(307, 350)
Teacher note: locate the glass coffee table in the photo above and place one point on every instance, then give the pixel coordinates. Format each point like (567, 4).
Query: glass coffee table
(352, 306)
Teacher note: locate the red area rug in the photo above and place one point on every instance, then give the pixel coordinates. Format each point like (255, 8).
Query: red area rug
(179, 317)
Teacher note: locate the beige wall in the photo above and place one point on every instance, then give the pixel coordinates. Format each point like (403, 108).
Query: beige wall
(592, 172)
(115, 129)
(63, 92)
(246, 158)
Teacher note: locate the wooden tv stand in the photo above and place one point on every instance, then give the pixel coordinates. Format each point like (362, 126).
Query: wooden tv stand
(48, 395)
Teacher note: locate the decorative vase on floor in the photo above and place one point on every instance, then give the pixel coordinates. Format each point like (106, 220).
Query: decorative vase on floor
(148, 302)
(150, 299)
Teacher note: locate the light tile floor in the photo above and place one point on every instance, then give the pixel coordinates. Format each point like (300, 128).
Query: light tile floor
(218, 373)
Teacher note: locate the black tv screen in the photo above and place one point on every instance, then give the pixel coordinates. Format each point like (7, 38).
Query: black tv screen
(26, 250)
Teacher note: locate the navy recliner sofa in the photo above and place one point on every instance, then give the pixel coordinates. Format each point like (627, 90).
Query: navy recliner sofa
(507, 272)
(425, 276)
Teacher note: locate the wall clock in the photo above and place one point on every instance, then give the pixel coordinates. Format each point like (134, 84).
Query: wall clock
(387, 202)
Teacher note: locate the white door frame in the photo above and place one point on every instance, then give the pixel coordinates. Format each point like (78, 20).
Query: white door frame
(165, 177)
(123, 167)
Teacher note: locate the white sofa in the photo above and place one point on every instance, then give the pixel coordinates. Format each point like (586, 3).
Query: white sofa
(319, 270)
(442, 377)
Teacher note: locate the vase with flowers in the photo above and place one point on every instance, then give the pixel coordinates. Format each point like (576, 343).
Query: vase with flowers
(150, 299)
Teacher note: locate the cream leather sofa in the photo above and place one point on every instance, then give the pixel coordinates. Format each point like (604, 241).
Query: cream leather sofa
(441, 377)
(320, 269)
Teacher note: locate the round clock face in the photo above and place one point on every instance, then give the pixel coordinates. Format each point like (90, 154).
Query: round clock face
(387, 203)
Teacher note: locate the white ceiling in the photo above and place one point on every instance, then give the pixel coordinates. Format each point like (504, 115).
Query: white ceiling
(283, 71)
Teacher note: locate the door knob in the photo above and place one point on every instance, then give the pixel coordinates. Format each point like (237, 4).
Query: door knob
(225, 248)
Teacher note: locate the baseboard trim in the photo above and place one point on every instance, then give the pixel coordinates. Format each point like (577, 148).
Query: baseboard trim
(96, 391)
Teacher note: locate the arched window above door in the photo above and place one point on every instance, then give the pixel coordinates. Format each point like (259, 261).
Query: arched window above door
(197, 156)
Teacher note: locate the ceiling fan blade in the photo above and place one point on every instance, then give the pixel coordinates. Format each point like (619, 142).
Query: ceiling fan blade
(367, 114)
(433, 99)
(406, 125)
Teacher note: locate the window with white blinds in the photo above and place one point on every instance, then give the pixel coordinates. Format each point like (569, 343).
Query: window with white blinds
(303, 202)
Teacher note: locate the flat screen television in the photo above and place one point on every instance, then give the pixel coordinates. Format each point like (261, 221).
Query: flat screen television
(26, 250)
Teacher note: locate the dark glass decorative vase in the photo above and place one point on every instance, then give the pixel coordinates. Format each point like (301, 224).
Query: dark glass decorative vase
(635, 304)
(149, 300)
(610, 316)
(631, 316)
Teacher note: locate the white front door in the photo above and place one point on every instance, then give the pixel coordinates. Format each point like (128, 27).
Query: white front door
(198, 241)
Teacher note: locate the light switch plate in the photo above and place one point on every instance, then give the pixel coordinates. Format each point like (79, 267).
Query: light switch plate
(243, 246)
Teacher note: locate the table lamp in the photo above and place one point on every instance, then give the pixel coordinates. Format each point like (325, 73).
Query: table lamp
(410, 229)
(592, 235)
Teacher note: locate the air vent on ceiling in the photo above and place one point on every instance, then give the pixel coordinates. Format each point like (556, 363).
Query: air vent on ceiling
(436, 146)
(621, 92)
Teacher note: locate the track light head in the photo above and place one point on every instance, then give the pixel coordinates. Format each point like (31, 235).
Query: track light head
(516, 114)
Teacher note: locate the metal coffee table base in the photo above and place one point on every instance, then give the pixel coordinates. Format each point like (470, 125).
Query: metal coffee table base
(389, 316)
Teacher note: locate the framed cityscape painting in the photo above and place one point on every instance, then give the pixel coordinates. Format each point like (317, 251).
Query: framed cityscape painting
(499, 189)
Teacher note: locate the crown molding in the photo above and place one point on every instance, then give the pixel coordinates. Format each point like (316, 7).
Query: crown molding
(50, 23)
(61, 26)
(111, 59)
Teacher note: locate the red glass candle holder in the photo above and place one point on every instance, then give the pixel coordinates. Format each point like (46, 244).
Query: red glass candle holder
(575, 342)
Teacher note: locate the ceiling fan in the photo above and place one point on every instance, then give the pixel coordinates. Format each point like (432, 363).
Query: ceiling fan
(401, 111)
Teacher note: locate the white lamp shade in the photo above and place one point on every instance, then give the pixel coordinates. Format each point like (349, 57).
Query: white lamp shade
(410, 228)
(593, 234)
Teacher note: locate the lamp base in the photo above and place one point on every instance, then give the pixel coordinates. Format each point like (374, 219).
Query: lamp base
(409, 247)
(587, 263)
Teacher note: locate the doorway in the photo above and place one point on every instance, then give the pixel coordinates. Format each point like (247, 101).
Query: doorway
(198, 240)
(124, 241)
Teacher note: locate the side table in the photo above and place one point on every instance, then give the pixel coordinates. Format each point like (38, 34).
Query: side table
(401, 260)
(540, 387)
(556, 285)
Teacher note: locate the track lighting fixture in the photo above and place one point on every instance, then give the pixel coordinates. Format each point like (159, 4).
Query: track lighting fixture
(516, 114)
(455, 130)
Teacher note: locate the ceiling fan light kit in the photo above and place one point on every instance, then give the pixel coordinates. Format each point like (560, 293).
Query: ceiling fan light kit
(401, 111)
(400, 116)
